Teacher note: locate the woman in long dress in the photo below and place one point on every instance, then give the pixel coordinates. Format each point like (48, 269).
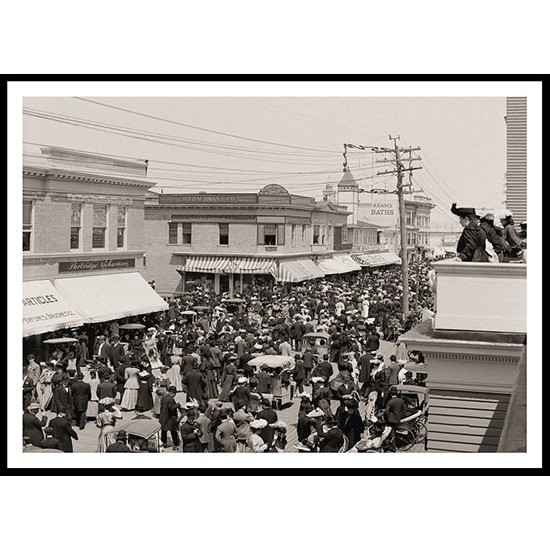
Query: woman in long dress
(228, 379)
(174, 373)
(145, 395)
(211, 386)
(129, 399)
(106, 421)
(44, 389)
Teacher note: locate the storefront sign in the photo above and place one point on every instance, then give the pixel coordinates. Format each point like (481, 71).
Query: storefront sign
(94, 265)
(208, 198)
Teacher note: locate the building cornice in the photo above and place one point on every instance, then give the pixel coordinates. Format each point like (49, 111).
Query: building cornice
(60, 175)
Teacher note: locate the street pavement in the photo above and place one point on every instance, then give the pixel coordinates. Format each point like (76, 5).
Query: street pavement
(88, 437)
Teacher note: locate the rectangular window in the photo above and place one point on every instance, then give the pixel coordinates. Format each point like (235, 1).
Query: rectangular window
(344, 233)
(172, 233)
(270, 234)
(186, 233)
(224, 233)
(27, 225)
(293, 236)
(76, 217)
(316, 229)
(99, 229)
(303, 234)
(121, 227)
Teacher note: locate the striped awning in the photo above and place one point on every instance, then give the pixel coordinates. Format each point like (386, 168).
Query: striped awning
(297, 270)
(373, 260)
(205, 264)
(252, 265)
(342, 263)
(217, 264)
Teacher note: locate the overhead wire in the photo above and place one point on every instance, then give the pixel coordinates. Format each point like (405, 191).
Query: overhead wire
(86, 123)
(217, 132)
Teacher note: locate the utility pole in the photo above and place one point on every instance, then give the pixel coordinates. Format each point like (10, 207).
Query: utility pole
(395, 158)
(399, 169)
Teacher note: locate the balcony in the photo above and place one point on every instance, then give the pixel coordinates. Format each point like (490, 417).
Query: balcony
(485, 297)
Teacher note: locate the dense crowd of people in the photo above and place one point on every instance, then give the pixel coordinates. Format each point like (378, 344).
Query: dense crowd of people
(200, 348)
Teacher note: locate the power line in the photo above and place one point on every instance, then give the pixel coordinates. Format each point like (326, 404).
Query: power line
(202, 129)
(87, 123)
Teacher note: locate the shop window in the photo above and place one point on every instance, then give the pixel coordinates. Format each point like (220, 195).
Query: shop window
(99, 229)
(27, 225)
(224, 233)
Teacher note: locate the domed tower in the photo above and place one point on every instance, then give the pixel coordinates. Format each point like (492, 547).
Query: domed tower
(348, 195)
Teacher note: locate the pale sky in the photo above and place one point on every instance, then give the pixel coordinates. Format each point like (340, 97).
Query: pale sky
(294, 141)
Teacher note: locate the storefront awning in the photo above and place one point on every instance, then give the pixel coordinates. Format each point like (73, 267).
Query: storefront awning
(345, 263)
(45, 309)
(205, 264)
(252, 265)
(373, 260)
(106, 297)
(216, 264)
(296, 271)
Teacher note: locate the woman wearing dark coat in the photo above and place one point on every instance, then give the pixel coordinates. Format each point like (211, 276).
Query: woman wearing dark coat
(62, 430)
(228, 380)
(145, 389)
(471, 244)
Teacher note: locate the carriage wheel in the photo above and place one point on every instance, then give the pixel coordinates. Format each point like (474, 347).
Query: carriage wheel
(422, 434)
(404, 439)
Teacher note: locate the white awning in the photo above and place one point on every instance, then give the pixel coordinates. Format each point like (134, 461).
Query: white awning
(347, 263)
(373, 260)
(298, 270)
(252, 265)
(106, 297)
(205, 264)
(45, 309)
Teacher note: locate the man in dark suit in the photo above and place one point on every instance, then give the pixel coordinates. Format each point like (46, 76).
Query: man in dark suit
(62, 430)
(116, 351)
(394, 412)
(119, 446)
(32, 426)
(195, 384)
(62, 399)
(102, 347)
(270, 416)
(82, 394)
(50, 442)
(324, 369)
(106, 388)
(168, 418)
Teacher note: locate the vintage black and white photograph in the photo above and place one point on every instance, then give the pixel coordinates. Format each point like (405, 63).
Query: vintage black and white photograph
(230, 270)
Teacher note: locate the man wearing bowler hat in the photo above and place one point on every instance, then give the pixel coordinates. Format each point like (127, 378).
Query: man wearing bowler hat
(119, 446)
(168, 418)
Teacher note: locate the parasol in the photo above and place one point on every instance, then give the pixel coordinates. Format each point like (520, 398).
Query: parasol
(202, 308)
(284, 361)
(132, 326)
(189, 312)
(235, 301)
(60, 340)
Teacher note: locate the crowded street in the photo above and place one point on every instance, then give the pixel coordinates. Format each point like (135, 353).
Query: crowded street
(226, 363)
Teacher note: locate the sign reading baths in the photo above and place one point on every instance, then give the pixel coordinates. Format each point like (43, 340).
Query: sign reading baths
(93, 265)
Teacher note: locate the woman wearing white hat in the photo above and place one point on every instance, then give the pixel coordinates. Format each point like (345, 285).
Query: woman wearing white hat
(254, 441)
